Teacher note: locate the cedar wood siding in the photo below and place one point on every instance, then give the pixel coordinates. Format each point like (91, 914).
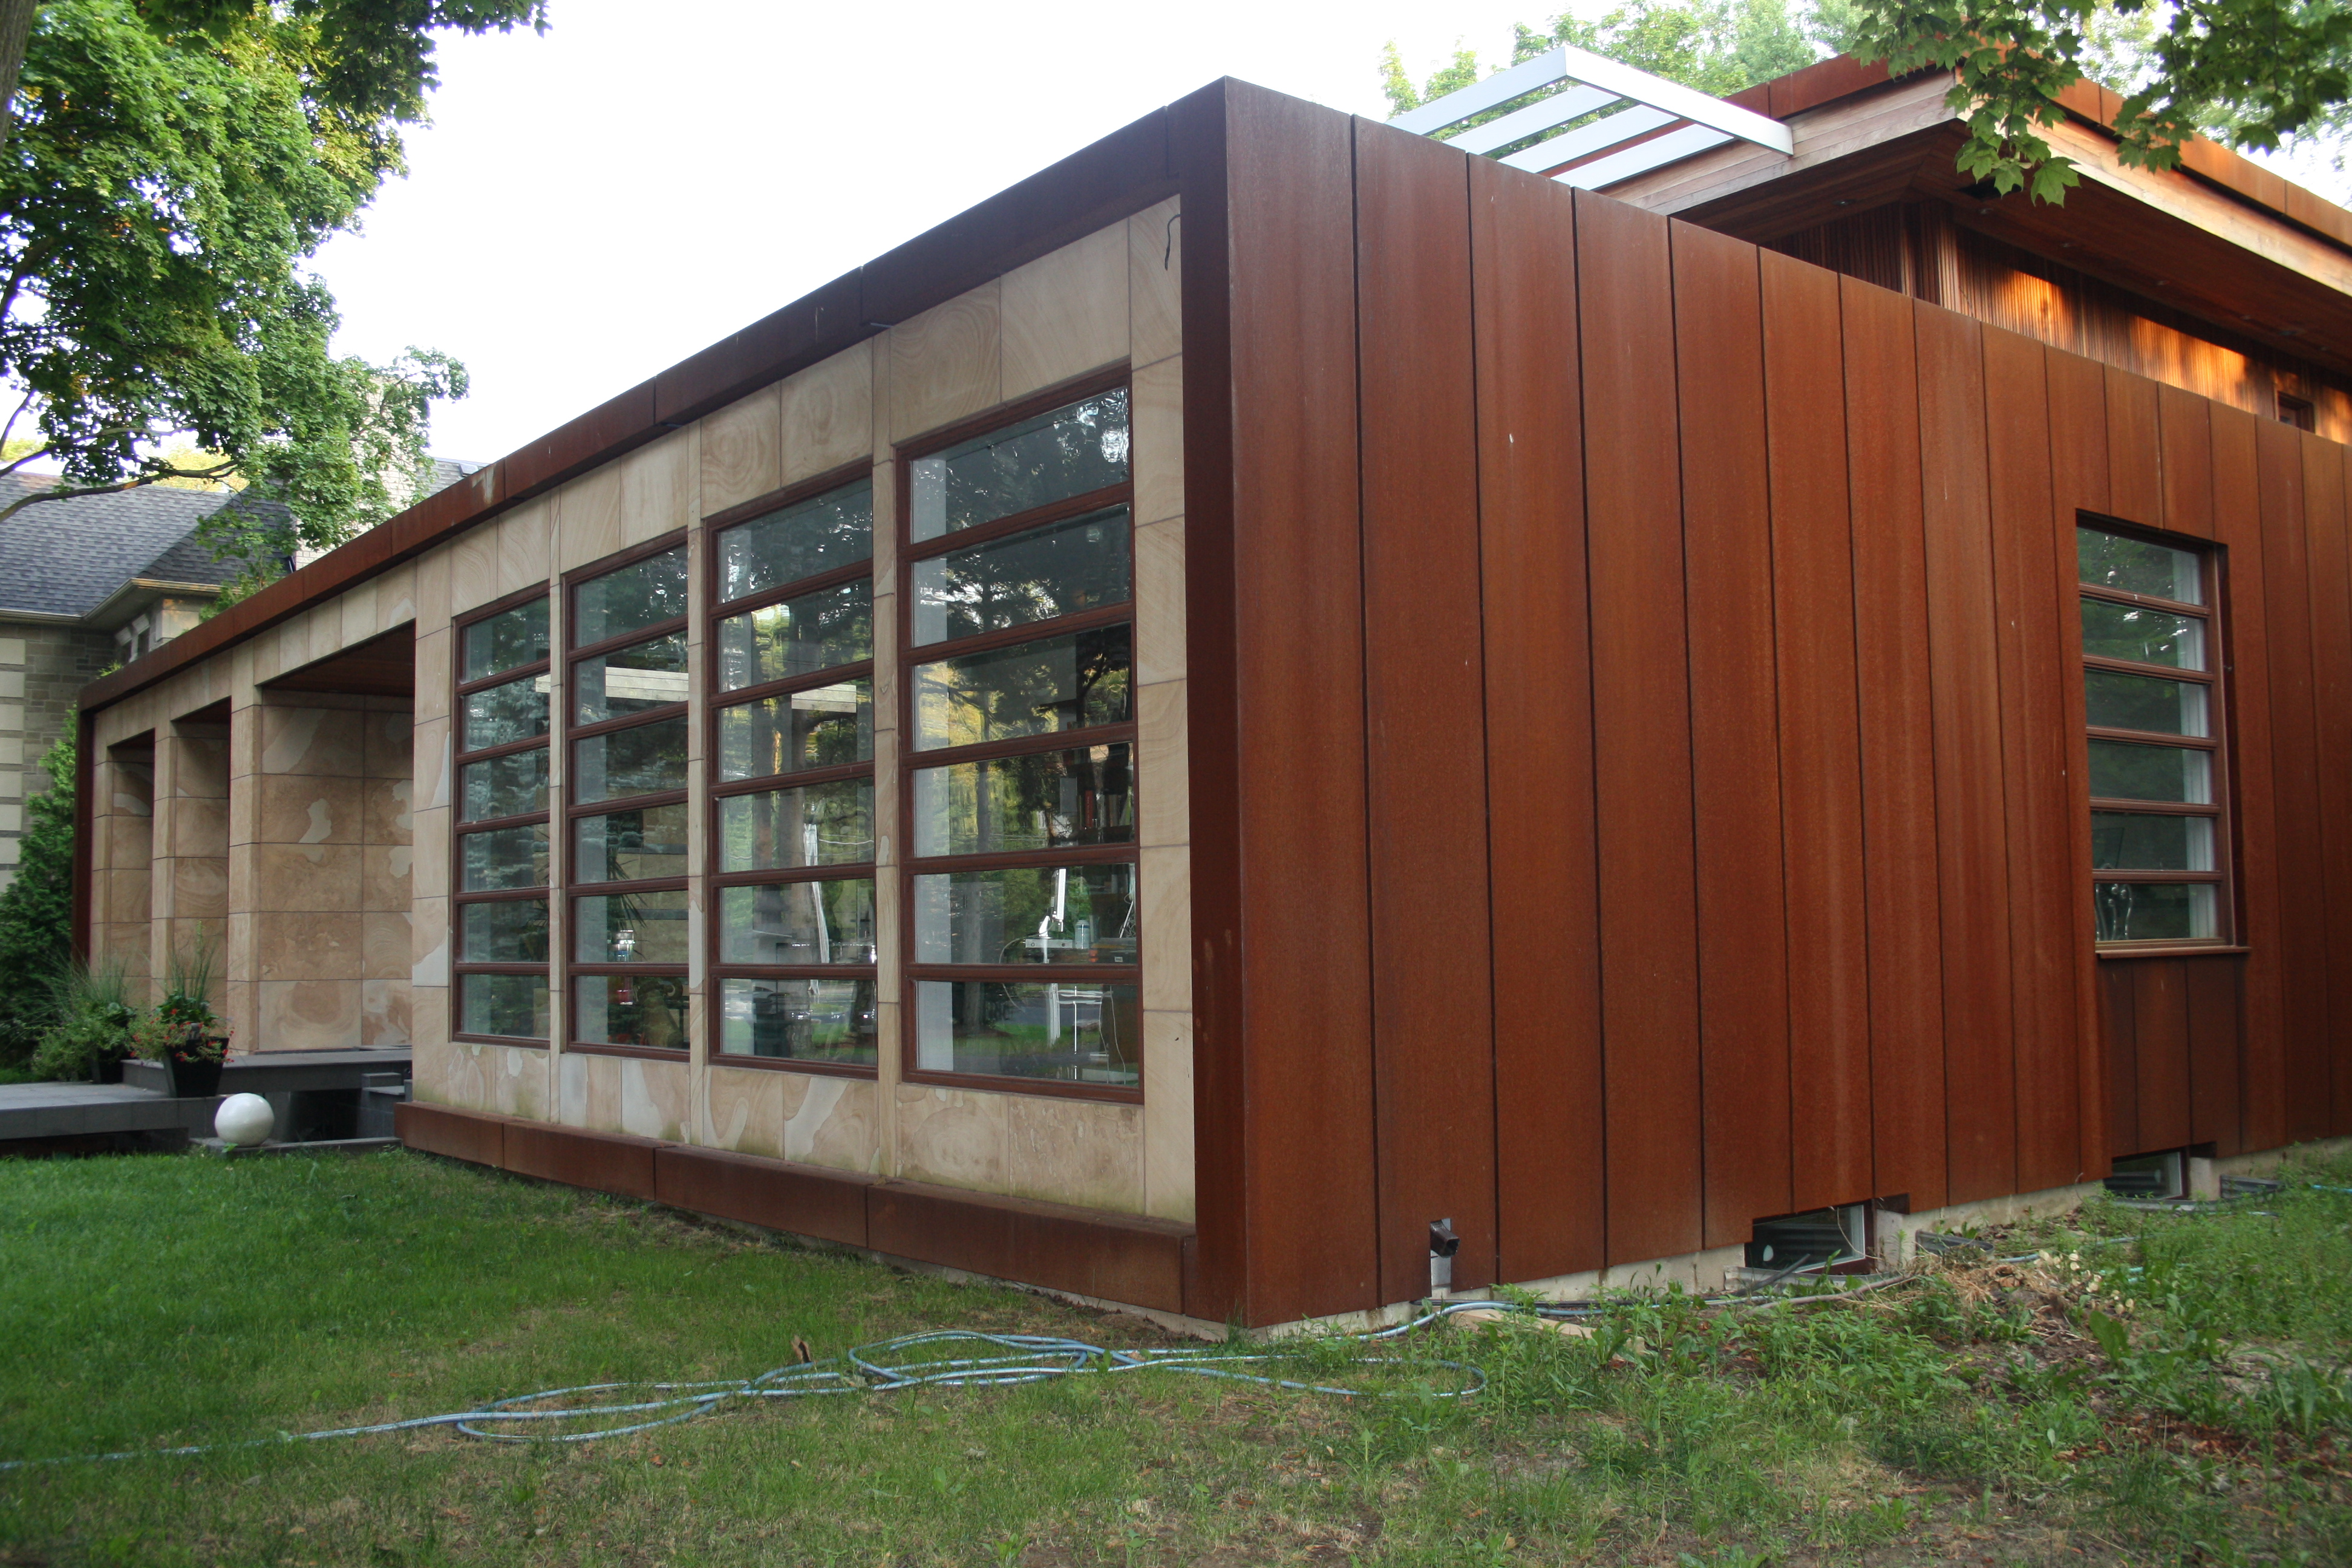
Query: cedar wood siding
(1654, 763)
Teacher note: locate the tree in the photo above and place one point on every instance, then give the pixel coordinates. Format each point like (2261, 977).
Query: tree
(1715, 45)
(170, 166)
(37, 911)
(2254, 73)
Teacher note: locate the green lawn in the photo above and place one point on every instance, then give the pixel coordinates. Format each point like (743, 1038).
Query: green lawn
(1971, 1416)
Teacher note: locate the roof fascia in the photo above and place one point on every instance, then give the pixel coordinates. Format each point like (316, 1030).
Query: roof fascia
(1123, 173)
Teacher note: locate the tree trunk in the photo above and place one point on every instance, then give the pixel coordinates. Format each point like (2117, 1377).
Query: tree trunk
(16, 27)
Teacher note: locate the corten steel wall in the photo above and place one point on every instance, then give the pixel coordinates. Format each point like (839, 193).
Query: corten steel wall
(1638, 767)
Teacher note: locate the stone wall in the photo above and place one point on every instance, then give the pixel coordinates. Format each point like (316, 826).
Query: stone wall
(42, 669)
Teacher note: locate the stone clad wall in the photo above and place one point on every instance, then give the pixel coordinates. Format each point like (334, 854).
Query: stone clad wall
(42, 671)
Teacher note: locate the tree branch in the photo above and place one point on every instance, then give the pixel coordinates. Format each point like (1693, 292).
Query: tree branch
(141, 481)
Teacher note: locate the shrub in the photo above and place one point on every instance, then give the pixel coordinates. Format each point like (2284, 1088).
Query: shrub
(36, 913)
(94, 1022)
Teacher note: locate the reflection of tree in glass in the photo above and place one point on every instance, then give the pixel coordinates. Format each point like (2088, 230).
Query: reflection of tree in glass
(638, 594)
(816, 535)
(1072, 450)
(799, 636)
(2134, 566)
(1060, 569)
(1058, 683)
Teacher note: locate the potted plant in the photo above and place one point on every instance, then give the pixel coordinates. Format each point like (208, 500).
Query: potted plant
(95, 1026)
(183, 1032)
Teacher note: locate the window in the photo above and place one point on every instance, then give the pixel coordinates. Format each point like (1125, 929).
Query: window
(502, 848)
(625, 722)
(2151, 649)
(1019, 771)
(2297, 412)
(793, 931)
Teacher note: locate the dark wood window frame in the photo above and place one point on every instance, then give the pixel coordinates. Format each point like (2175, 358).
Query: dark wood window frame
(570, 968)
(911, 760)
(461, 829)
(2215, 742)
(717, 967)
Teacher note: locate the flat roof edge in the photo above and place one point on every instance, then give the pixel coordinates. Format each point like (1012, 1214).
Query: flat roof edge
(1122, 172)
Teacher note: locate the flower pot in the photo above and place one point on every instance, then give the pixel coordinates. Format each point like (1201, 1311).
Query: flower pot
(110, 1069)
(194, 1080)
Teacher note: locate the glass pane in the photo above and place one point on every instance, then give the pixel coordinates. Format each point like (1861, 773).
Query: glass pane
(643, 593)
(630, 1010)
(644, 760)
(801, 1020)
(1071, 1031)
(2139, 841)
(2143, 702)
(1057, 570)
(630, 846)
(797, 922)
(2156, 911)
(2150, 636)
(2122, 771)
(818, 728)
(1072, 450)
(1067, 914)
(509, 639)
(1045, 800)
(778, 830)
(503, 858)
(801, 540)
(799, 636)
(630, 928)
(503, 786)
(1067, 682)
(511, 1005)
(498, 714)
(2111, 561)
(628, 680)
(512, 931)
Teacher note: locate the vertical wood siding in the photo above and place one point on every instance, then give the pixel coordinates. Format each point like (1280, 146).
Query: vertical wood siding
(1655, 754)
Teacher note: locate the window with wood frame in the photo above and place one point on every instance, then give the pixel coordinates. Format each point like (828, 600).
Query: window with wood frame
(793, 936)
(500, 848)
(626, 801)
(2153, 700)
(1018, 777)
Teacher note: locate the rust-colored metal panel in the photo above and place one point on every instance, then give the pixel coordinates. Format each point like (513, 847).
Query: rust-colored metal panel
(2330, 565)
(2078, 483)
(1735, 732)
(2134, 457)
(1820, 739)
(2237, 525)
(2121, 1029)
(1539, 653)
(459, 1134)
(801, 1199)
(1641, 723)
(1971, 832)
(602, 1161)
(2185, 428)
(1116, 1258)
(2160, 1056)
(2214, 1050)
(1433, 1001)
(2038, 643)
(1220, 1121)
(582, 442)
(1298, 760)
(2294, 782)
(1898, 783)
(821, 323)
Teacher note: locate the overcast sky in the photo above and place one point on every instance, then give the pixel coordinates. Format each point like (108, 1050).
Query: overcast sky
(593, 205)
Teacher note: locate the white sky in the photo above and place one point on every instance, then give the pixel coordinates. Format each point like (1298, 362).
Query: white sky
(591, 205)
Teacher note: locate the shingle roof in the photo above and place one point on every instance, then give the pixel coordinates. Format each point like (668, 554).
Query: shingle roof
(67, 557)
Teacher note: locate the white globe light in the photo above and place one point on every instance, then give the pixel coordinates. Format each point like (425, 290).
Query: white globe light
(246, 1120)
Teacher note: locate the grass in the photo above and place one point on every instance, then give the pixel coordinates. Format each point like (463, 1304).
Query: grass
(1989, 1412)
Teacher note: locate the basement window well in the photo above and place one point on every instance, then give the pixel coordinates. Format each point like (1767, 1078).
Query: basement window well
(1829, 1240)
(2150, 1176)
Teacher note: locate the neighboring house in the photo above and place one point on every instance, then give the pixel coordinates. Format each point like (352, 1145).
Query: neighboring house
(1163, 758)
(86, 585)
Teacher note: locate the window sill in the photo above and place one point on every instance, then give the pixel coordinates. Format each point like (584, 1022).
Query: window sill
(516, 1041)
(2171, 950)
(790, 1063)
(649, 1053)
(1056, 1088)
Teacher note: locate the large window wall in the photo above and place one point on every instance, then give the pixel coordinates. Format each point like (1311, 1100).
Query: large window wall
(794, 937)
(627, 801)
(501, 852)
(1018, 775)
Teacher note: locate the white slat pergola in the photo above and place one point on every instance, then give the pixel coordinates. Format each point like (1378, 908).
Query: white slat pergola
(1655, 121)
